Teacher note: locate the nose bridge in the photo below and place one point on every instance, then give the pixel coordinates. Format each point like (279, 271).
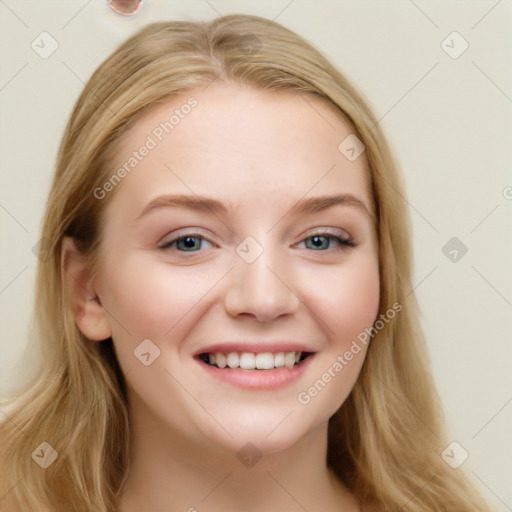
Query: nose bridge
(259, 284)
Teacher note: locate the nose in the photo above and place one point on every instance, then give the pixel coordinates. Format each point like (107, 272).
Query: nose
(261, 289)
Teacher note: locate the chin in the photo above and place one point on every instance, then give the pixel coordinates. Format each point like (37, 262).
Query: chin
(264, 434)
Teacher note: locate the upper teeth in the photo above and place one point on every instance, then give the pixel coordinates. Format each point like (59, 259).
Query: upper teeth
(253, 361)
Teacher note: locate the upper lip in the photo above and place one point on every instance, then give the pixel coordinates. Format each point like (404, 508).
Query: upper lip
(257, 346)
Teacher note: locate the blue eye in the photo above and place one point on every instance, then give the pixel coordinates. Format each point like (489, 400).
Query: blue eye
(319, 242)
(185, 243)
(324, 241)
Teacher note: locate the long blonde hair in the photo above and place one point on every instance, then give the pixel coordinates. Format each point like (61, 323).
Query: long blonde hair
(385, 442)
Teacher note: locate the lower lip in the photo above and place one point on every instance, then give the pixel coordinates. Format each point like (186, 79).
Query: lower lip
(258, 379)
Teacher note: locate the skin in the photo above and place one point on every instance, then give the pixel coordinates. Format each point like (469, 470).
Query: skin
(259, 152)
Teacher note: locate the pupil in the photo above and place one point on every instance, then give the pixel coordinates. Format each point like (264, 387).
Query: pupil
(319, 241)
(189, 242)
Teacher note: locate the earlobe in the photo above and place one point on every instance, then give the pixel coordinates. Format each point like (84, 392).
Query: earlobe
(79, 292)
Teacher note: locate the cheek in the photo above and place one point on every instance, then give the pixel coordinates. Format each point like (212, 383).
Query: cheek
(347, 306)
(347, 301)
(151, 298)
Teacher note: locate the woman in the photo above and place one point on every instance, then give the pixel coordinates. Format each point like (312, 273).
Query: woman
(226, 308)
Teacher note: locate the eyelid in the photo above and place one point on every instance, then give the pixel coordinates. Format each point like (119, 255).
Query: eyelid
(334, 232)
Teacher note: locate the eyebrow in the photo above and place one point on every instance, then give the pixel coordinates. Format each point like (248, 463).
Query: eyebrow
(302, 206)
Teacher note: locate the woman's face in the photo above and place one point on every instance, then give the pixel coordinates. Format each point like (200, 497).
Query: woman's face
(241, 235)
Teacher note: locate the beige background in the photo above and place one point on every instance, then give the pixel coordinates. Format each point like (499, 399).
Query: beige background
(448, 121)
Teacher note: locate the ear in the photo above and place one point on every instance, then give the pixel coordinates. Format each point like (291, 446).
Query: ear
(78, 287)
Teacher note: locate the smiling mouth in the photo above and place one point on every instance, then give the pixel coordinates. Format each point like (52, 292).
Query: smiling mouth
(253, 360)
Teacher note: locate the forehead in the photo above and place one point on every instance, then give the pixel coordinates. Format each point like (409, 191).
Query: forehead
(239, 143)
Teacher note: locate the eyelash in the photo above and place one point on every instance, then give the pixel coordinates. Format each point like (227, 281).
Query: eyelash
(344, 244)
